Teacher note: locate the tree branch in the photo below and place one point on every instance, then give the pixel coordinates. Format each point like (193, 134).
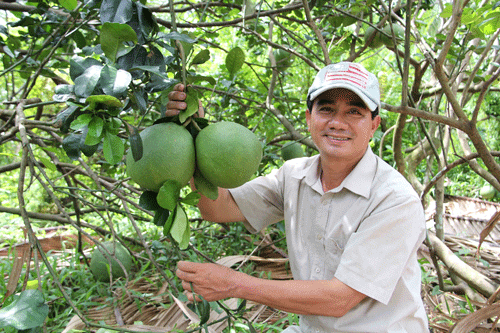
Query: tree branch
(476, 280)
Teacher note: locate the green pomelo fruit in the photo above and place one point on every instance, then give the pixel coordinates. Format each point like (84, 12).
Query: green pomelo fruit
(99, 262)
(227, 154)
(292, 150)
(487, 192)
(283, 59)
(168, 154)
(399, 33)
(377, 40)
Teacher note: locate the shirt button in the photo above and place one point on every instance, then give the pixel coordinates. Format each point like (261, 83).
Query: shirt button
(318, 270)
(319, 237)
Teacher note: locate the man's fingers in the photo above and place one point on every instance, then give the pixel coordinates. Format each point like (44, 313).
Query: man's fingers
(176, 105)
(188, 286)
(176, 95)
(190, 297)
(189, 266)
(179, 87)
(185, 276)
(186, 270)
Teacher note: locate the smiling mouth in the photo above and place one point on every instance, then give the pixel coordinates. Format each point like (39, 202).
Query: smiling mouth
(336, 138)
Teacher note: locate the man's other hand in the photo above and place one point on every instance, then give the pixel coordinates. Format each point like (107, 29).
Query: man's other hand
(176, 102)
(211, 281)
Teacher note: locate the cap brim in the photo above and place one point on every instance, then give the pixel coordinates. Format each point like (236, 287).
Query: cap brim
(369, 103)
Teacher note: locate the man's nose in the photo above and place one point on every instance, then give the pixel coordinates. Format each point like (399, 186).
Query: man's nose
(337, 121)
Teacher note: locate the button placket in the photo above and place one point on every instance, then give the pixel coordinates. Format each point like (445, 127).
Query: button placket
(319, 261)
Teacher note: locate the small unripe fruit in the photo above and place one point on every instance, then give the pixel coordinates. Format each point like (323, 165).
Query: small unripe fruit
(99, 262)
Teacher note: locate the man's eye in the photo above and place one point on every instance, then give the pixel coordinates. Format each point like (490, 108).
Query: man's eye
(354, 111)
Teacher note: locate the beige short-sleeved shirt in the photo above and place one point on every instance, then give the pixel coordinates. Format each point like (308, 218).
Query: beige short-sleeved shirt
(365, 233)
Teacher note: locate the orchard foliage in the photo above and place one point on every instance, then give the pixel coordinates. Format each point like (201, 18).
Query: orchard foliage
(82, 79)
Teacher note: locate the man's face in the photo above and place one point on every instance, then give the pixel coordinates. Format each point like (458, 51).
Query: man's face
(341, 125)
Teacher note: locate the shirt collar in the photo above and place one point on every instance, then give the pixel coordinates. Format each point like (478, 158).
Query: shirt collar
(361, 177)
(358, 181)
(311, 173)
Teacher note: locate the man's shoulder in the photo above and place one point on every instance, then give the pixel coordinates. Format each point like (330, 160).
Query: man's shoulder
(301, 166)
(389, 180)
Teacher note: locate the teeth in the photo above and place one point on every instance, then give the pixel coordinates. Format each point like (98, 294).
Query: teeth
(340, 139)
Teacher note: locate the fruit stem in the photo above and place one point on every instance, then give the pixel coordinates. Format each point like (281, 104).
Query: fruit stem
(178, 44)
(187, 122)
(191, 120)
(195, 124)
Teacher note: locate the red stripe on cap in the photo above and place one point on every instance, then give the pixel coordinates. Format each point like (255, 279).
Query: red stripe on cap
(353, 74)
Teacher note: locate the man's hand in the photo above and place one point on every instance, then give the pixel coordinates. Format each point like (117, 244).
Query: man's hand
(176, 102)
(213, 282)
(309, 297)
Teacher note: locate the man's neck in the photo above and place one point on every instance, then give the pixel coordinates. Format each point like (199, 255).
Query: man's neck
(333, 172)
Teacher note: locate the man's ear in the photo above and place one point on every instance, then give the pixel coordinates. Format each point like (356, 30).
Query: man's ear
(375, 123)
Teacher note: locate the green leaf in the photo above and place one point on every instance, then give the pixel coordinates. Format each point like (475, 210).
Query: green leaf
(112, 37)
(113, 148)
(68, 4)
(91, 139)
(191, 199)
(447, 11)
(7, 51)
(204, 186)
(27, 311)
(184, 243)
(469, 16)
(251, 328)
(79, 39)
(114, 82)
(192, 106)
(96, 101)
(64, 89)
(71, 145)
(204, 308)
(81, 121)
(86, 83)
(491, 23)
(74, 144)
(136, 144)
(167, 226)
(119, 11)
(48, 163)
(200, 78)
(147, 22)
(95, 128)
(152, 69)
(179, 226)
(161, 217)
(202, 57)
(78, 65)
(140, 98)
(235, 60)
(178, 36)
(147, 200)
(168, 195)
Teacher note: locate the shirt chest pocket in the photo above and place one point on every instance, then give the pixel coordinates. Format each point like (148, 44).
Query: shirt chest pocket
(334, 248)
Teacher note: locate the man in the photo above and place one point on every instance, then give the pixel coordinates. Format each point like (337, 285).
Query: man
(353, 223)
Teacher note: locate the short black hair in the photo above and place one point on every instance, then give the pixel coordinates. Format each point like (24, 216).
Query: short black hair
(310, 106)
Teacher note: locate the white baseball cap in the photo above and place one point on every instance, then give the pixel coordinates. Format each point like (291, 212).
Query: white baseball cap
(350, 76)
